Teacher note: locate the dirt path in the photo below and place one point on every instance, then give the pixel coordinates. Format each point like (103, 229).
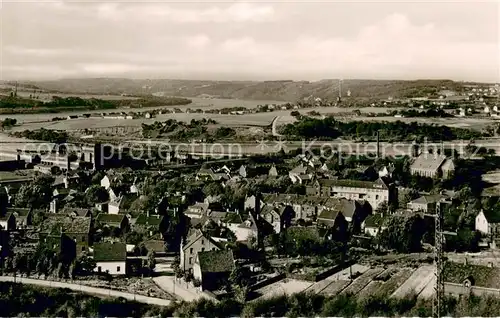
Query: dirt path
(88, 290)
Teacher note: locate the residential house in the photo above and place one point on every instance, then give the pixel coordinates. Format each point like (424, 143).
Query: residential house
(106, 182)
(67, 235)
(243, 230)
(151, 224)
(122, 204)
(197, 210)
(74, 212)
(8, 222)
(212, 268)
(196, 242)
(158, 247)
(113, 220)
(432, 166)
(279, 217)
(426, 203)
(386, 171)
(205, 174)
(301, 174)
(110, 258)
(375, 193)
(24, 217)
(331, 218)
(488, 222)
(273, 172)
(253, 203)
(374, 224)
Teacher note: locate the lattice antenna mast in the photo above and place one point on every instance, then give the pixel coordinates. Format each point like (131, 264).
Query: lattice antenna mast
(439, 238)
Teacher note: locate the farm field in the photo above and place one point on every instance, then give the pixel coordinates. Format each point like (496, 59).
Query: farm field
(472, 123)
(362, 281)
(417, 281)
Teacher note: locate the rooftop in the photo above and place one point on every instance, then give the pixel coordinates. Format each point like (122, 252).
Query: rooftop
(155, 220)
(375, 220)
(220, 261)
(379, 184)
(110, 218)
(428, 162)
(67, 224)
(109, 252)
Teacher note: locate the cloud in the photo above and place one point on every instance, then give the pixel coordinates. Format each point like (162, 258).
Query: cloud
(198, 41)
(160, 12)
(116, 38)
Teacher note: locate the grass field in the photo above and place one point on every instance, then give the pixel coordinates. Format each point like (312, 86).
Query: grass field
(483, 276)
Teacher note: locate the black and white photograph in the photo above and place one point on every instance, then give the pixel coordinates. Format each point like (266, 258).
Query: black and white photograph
(260, 158)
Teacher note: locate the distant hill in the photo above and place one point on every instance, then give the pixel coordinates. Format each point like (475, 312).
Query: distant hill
(285, 90)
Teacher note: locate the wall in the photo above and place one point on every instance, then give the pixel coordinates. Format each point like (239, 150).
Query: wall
(113, 209)
(458, 289)
(111, 267)
(241, 233)
(481, 223)
(202, 244)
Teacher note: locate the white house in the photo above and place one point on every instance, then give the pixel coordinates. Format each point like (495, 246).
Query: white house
(373, 225)
(105, 182)
(111, 258)
(488, 222)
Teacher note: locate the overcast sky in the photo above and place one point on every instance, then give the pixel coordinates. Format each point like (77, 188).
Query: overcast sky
(251, 40)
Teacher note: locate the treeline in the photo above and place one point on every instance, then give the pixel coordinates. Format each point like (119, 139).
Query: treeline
(426, 113)
(8, 122)
(22, 300)
(43, 134)
(14, 104)
(329, 128)
(178, 130)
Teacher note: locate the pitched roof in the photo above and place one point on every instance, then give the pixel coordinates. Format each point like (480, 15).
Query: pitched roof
(153, 220)
(428, 161)
(375, 220)
(196, 235)
(378, 184)
(156, 246)
(220, 261)
(6, 216)
(67, 224)
(492, 216)
(110, 218)
(109, 252)
(77, 211)
(428, 199)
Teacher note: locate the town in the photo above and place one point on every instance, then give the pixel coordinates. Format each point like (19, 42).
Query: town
(181, 225)
(249, 159)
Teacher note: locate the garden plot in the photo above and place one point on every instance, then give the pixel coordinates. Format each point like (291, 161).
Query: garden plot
(390, 286)
(417, 281)
(361, 282)
(286, 286)
(376, 284)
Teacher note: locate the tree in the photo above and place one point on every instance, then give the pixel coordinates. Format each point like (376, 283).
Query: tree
(404, 233)
(213, 189)
(35, 195)
(96, 194)
(151, 263)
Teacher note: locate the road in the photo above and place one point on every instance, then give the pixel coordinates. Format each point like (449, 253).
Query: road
(179, 288)
(88, 290)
